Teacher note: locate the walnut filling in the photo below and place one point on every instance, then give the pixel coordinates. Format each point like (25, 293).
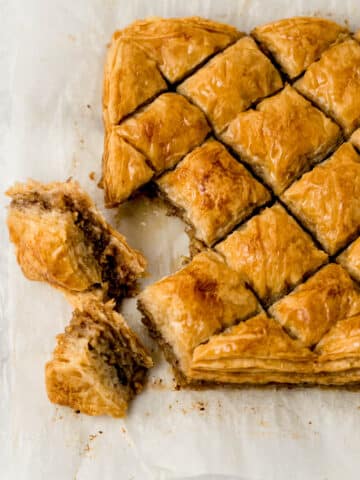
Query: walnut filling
(111, 352)
(118, 279)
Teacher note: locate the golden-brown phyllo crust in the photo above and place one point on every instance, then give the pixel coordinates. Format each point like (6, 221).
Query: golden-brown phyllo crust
(62, 239)
(257, 346)
(230, 82)
(212, 190)
(130, 79)
(342, 341)
(333, 83)
(350, 259)
(188, 307)
(165, 131)
(355, 139)
(326, 200)
(295, 43)
(178, 45)
(124, 169)
(315, 306)
(141, 55)
(98, 364)
(282, 137)
(272, 253)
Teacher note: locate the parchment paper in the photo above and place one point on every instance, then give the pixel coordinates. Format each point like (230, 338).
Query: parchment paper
(52, 55)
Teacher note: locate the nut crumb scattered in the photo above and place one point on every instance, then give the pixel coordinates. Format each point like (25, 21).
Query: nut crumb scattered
(92, 175)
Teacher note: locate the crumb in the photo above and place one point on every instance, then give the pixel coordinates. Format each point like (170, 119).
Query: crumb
(77, 411)
(82, 141)
(310, 422)
(86, 448)
(101, 432)
(92, 175)
(170, 406)
(201, 406)
(92, 436)
(123, 430)
(88, 105)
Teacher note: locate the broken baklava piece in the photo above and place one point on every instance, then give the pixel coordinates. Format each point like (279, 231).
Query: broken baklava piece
(295, 43)
(185, 309)
(61, 238)
(212, 191)
(98, 364)
(326, 200)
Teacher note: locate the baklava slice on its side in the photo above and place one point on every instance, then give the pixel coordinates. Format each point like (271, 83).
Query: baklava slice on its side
(98, 364)
(62, 239)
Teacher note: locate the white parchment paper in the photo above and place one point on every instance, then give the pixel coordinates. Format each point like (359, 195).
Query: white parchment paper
(52, 54)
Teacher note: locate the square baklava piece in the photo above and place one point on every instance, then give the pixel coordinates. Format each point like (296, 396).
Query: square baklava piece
(272, 253)
(212, 191)
(282, 137)
(333, 83)
(327, 199)
(231, 81)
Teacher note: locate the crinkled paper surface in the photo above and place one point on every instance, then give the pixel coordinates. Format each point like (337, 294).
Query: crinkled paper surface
(52, 55)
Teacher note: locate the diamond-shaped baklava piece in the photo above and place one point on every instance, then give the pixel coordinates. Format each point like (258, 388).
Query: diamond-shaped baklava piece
(282, 137)
(213, 191)
(98, 364)
(188, 307)
(350, 259)
(165, 131)
(231, 81)
(272, 253)
(126, 65)
(178, 45)
(297, 42)
(61, 238)
(333, 83)
(314, 307)
(140, 54)
(327, 199)
(254, 351)
(355, 139)
(124, 169)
